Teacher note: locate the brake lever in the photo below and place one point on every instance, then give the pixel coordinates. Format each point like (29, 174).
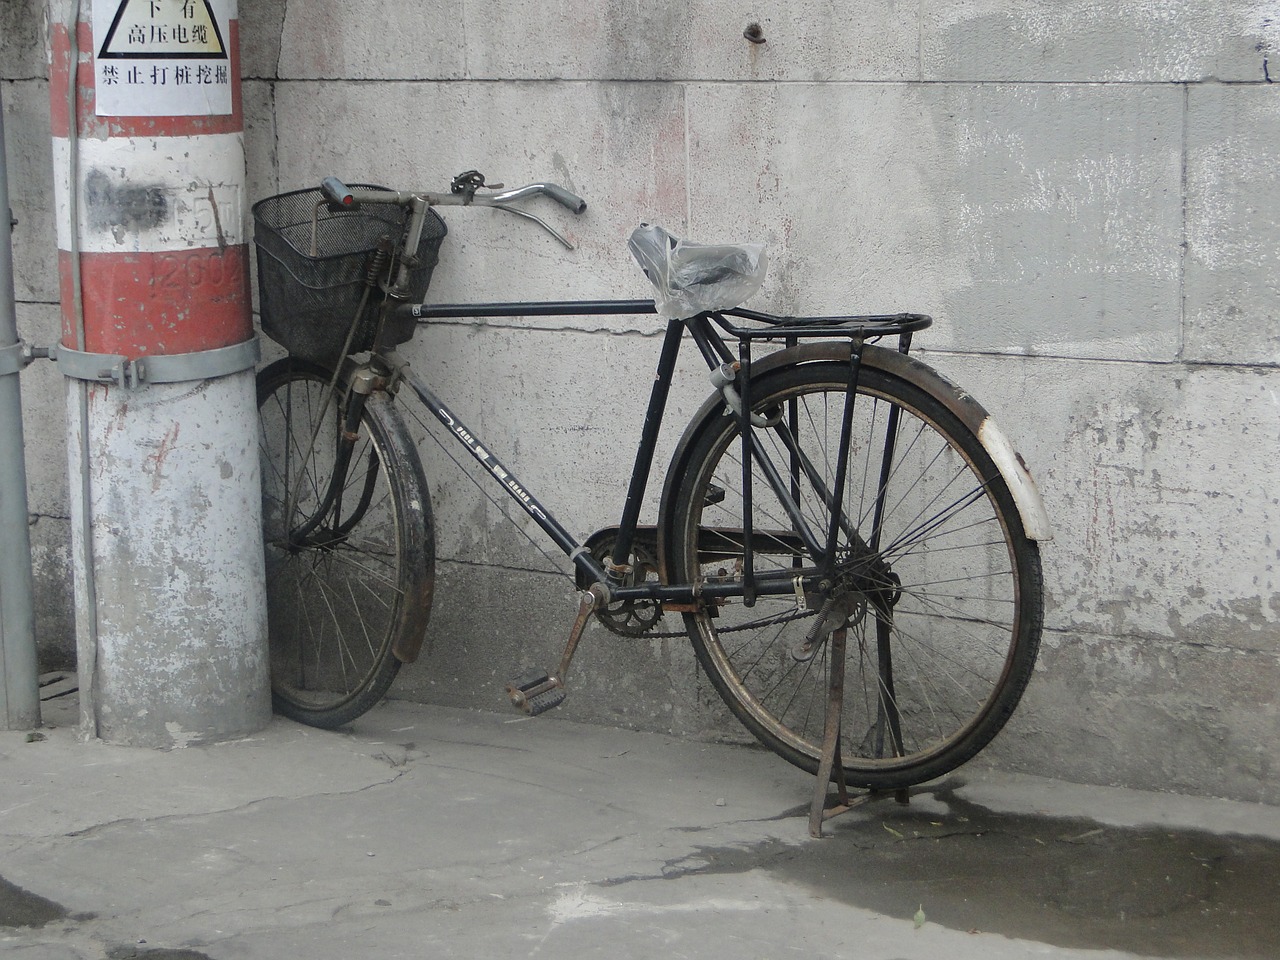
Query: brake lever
(540, 222)
(469, 181)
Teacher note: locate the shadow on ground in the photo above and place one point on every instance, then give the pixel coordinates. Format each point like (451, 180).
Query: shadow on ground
(1069, 882)
(22, 908)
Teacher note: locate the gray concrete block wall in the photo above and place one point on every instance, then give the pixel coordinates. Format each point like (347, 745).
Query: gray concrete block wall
(1082, 195)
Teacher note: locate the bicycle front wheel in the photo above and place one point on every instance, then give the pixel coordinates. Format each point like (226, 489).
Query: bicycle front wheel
(938, 652)
(349, 562)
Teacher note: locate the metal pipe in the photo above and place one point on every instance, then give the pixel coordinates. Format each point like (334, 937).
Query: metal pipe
(68, 15)
(19, 691)
(557, 308)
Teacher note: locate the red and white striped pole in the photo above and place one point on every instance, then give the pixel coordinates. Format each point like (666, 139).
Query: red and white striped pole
(158, 349)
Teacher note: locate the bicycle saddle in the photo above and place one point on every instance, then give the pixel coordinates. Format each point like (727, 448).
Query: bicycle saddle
(692, 278)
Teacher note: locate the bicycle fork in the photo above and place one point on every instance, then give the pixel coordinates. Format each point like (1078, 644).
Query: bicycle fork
(331, 500)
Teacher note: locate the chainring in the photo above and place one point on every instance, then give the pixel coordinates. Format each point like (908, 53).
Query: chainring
(630, 618)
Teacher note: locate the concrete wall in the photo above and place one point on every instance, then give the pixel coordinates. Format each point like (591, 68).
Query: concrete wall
(1082, 194)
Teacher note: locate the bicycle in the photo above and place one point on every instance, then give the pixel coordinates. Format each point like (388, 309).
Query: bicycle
(832, 494)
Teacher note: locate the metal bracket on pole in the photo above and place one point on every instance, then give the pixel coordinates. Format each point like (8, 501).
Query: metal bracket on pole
(12, 358)
(161, 368)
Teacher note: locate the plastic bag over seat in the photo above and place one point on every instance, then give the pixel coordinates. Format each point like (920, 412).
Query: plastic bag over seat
(692, 278)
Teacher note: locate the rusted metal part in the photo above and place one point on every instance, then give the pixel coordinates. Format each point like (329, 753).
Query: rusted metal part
(830, 764)
(830, 759)
(535, 693)
(595, 598)
(754, 33)
(599, 545)
(415, 608)
(632, 616)
(408, 645)
(670, 606)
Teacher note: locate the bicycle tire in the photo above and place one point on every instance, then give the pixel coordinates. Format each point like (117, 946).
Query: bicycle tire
(963, 632)
(349, 580)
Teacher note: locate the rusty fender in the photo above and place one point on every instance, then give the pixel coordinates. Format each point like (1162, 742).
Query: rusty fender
(1031, 510)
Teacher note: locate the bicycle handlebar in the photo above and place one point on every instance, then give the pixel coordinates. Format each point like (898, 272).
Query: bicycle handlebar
(339, 194)
(570, 201)
(342, 197)
(336, 192)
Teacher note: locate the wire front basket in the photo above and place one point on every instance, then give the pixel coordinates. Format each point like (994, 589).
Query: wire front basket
(312, 267)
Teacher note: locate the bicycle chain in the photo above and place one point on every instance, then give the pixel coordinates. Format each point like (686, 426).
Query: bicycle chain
(753, 625)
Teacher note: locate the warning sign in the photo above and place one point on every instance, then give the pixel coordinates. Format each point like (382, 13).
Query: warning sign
(158, 58)
(144, 29)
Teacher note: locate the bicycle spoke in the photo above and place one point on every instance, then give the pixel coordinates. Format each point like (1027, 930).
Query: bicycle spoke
(336, 547)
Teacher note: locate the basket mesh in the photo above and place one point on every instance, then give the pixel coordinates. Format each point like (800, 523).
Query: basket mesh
(311, 269)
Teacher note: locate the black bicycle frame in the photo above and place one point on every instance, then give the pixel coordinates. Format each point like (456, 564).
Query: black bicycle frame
(714, 352)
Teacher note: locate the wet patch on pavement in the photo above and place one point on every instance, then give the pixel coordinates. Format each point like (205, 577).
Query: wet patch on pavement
(123, 952)
(1068, 882)
(22, 908)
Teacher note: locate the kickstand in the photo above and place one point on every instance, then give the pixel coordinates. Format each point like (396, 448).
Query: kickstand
(830, 761)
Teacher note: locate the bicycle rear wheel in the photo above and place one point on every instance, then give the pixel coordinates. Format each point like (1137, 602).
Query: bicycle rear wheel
(938, 651)
(349, 564)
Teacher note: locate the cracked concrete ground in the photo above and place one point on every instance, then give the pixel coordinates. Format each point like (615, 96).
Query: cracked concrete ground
(428, 832)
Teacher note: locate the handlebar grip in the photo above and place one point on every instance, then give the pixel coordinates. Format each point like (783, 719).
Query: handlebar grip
(337, 193)
(563, 197)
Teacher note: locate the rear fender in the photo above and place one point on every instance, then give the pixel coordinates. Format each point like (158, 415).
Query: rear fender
(1030, 506)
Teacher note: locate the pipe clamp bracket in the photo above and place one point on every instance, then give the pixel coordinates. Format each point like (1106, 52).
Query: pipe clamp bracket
(12, 358)
(161, 368)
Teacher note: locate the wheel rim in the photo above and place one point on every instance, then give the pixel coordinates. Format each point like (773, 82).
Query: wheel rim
(955, 623)
(334, 593)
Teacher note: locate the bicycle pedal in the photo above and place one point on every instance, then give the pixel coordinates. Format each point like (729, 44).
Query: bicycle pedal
(543, 702)
(535, 692)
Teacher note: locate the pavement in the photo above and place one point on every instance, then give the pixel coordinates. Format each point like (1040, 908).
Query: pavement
(427, 832)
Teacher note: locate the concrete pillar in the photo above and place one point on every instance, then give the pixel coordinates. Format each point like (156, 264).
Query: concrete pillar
(158, 350)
